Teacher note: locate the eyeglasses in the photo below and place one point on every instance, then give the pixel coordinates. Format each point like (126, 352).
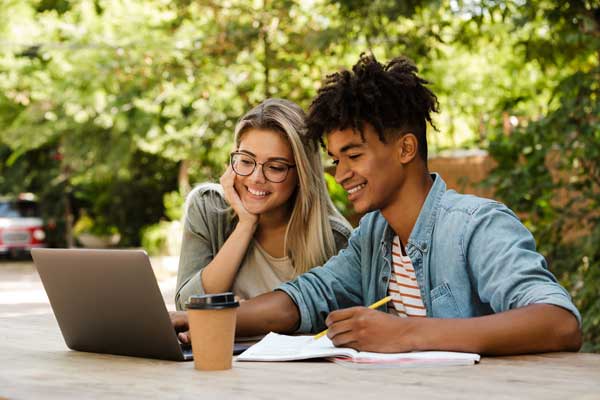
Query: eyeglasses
(273, 171)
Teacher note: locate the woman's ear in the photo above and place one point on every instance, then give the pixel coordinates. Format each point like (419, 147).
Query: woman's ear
(407, 147)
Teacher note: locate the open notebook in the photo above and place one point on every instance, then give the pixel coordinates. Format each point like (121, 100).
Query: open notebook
(275, 347)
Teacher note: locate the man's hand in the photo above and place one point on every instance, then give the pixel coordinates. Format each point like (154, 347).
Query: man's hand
(364, 329)
(536, 328)
(180, 323)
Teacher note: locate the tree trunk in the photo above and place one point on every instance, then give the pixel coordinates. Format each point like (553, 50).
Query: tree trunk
(264, 32)
(65, 175)
(69, 219)
(183, 179)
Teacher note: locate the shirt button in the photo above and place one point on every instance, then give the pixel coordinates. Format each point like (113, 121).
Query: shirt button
(384, 279)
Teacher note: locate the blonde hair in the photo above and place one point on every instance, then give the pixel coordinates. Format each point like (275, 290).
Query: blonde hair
(309, 240)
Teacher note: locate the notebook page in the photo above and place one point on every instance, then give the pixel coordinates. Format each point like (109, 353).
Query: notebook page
(418, 358)
(276, 347)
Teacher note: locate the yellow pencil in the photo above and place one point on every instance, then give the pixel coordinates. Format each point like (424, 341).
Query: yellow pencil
(373, 306)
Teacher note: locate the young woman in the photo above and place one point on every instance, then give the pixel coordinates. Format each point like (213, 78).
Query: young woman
(270, 219)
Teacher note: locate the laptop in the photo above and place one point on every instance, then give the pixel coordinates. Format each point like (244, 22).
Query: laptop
(108, 301)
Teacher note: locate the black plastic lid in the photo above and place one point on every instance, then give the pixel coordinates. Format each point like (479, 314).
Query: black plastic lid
(212, 301)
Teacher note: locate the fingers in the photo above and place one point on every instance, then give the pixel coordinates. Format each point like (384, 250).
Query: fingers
(346, 327)
(346, 340)
(344, 334)
(184, 337)
(231, 195)
(227, 175)
(226, 179)
(340, 315)
(339, 329)
(341, 326)
(179, 321)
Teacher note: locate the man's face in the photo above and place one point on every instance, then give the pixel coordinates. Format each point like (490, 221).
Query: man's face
(369, 170)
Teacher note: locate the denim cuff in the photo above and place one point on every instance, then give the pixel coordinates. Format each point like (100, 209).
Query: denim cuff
(305, 320)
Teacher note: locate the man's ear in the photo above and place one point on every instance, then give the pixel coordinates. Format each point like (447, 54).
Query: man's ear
(407, 147)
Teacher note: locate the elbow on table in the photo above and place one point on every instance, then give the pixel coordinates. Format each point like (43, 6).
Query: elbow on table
(286, 317)
(570, 335)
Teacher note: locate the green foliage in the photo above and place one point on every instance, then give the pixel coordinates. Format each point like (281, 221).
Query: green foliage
(85, 224)
(338, 195)
(579, 269)
(548, 169)
(550, 172)
(131, 199)
(173, 202)
(163, 238)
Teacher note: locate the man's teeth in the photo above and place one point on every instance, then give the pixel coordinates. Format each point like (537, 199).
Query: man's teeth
(257, 192)
(356, 188)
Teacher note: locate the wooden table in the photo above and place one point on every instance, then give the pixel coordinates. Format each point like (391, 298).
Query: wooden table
(35, 363)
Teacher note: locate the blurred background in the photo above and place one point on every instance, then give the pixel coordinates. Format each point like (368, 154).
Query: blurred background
(111, 110)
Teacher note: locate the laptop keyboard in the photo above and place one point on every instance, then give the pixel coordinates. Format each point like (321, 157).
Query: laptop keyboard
(238, 348)
(186, 349)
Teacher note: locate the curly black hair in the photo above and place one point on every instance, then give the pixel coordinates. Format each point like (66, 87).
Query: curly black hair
(393, 99)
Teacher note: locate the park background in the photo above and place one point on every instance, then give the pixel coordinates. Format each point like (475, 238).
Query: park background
(111, 110)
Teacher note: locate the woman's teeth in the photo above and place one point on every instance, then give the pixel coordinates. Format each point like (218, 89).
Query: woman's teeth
(257, 192)
(356, 188)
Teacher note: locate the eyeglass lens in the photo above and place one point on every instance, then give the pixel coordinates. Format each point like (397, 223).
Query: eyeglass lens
(273, 171)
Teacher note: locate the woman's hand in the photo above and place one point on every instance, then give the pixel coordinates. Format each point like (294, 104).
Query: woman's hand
(218, 276)
(180, 324)
(233, 198)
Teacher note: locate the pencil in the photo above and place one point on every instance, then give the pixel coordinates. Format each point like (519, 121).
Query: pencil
(373, 306)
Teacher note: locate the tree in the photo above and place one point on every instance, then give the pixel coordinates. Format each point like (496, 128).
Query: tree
(548, 168)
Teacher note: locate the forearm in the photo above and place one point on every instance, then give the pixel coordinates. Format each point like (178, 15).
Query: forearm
(218, 276)
(533, 329)
(269, 312)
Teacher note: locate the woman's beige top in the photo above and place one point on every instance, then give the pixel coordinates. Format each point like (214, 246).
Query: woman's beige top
(207, 224)
(260, 272)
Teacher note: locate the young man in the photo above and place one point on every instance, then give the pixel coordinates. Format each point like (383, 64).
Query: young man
(463, 271)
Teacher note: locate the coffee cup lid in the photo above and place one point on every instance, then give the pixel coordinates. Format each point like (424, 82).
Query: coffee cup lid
(214, 301)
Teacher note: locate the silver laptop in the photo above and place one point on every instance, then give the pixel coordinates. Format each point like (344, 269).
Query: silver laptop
(108, 301)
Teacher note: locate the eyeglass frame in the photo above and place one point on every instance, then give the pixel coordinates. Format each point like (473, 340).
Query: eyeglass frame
(256, 163)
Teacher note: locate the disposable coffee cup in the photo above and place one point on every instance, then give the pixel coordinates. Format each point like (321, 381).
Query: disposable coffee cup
(212, 329)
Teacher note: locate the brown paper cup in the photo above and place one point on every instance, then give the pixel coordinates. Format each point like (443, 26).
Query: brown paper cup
(212, 333)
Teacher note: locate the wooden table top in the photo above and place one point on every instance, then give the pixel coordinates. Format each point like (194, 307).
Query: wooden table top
(35, 363)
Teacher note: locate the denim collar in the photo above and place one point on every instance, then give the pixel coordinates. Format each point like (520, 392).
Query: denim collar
(421, 233)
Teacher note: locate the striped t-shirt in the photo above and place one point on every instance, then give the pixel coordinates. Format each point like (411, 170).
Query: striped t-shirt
(404, 288)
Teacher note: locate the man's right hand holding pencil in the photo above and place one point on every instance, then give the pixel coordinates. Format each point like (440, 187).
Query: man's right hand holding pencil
(365, 329)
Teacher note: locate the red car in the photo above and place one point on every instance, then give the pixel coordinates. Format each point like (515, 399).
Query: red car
(21, 227)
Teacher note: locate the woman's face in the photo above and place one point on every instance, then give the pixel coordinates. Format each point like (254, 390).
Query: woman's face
(259, 195)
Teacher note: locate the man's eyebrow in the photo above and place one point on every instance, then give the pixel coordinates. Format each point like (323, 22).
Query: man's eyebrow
(347, 147)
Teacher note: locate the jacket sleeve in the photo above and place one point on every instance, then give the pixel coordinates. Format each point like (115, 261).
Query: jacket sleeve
(205, 208)
(335, 285)
(341, 233)
(509, 273)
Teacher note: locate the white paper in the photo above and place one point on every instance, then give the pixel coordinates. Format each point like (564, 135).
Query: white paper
(276, 347)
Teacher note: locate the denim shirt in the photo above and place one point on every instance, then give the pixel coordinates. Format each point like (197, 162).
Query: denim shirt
(472, 257)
